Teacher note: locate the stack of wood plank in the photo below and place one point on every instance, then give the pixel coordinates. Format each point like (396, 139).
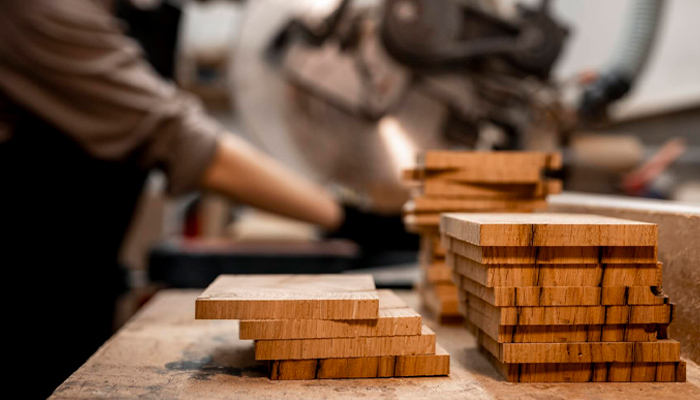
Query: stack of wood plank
(325, 326)
(564, 297)
(451, 181)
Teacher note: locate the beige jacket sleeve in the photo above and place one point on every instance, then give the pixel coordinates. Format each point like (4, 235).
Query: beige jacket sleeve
(69, 63)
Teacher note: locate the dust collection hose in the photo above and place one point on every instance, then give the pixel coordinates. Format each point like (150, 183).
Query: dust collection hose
(628, 60)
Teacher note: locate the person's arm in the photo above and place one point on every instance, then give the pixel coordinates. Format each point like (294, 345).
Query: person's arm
(262, 182)
(69, 63)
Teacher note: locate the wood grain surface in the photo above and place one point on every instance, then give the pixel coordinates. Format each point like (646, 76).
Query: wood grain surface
(541, 229)
(484, 167)
(289, 297)
(552, 255)
(446, 188)
(303, 349)
(474, 160)
(437, 272)
(363, 367)
(564, 333)
(517, 275)
(395, 319)
(535, 296)
(573, 315)
(591, 372)
(666, 350)
(426, 204)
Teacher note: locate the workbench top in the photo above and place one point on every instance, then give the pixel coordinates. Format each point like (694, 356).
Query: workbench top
(163, 352)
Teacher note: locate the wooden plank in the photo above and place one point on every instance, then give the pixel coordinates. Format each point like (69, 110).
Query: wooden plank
(588, 372)
(420, 223)
(443, 159)
(666, 350)
(519, 275)
(423, 204)
(534, 230)
(445, 188)
(445, 290)
(524, 275)
(552, 255)
(395, 319)
(436, 246)
(304, 349)
(535, 296)
(289, 296)
(491, 167)
(629, 255)
(411, 174)
(564, 333)
(438, 273)
(441, 306)
(573, 315)
(491, 254)
(437, 364)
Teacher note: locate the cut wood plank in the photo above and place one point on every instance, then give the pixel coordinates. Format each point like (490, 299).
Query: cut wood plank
(666, 350)
(411, 174)
(519, 275)
(443, 159)
(436, 245)
(363, 367)
(395, 319)
(438, 273)
(491, 167)
(445, 188)
(573, 315)
(438, 305)
(493, 255)
(552, 255)
(289, 296)
(565, 333)
(423, 204)
(534, 230)
(495, 175)
(524, 275)
(304, 349)
(445, 290)
(590, 372)
(562, 295)
(629, 255)
(421, 223)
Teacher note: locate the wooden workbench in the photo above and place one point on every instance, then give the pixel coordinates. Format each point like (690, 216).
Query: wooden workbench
(164, 353)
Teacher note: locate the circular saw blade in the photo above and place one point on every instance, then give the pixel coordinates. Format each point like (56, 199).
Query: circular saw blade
(318, 138)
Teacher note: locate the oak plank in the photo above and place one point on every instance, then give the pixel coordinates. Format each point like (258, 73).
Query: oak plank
(303, 349)
(425, 204)
(573, 315)
(289, 296)
(534, 230)
(395, 319)
(445, 188)
(535, 296)
(437, 364)
(562, 333)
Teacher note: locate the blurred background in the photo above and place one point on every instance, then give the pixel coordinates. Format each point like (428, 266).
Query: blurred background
(347, 92)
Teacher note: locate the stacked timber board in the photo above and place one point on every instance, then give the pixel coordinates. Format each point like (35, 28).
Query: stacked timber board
(325, 326)
(564, 297)
(449, 181)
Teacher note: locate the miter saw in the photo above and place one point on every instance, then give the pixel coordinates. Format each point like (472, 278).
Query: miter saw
(348, 91)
